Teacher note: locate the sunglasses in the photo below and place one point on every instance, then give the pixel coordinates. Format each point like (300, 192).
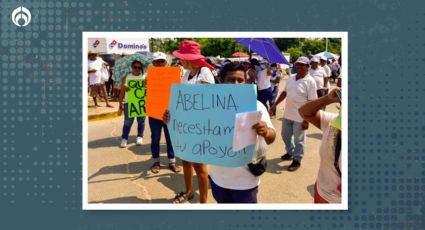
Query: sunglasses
(136, 67)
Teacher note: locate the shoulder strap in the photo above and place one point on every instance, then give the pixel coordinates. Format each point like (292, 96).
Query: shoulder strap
(197, 75)
(337, 152)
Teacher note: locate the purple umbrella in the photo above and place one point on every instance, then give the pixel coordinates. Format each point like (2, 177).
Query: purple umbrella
(265, 47)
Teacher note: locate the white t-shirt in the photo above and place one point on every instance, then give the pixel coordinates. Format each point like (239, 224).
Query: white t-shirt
(297, 94)
(248, 77)
(263, 80)
(318, 75)
(328, 74)
(95, 78)
(238, 178)
(277, 75)
(328, 178)
(132, 77)
(204, 75)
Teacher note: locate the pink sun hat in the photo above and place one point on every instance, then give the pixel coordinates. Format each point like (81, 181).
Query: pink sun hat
(188, 50)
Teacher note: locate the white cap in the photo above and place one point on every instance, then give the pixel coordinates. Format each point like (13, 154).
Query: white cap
(159, 56)
(323, 58)
(303, 60)
(315, 59)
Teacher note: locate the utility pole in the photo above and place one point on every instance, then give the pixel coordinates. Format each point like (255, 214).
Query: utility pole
(326, 49)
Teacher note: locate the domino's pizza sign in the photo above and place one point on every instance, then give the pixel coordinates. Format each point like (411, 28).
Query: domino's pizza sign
(127, 45)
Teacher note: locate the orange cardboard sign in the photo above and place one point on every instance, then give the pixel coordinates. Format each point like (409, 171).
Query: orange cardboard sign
(158, 83)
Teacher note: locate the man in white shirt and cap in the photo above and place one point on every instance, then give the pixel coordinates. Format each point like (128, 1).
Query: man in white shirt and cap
(324, 65)
(299, 89)
(319, 76)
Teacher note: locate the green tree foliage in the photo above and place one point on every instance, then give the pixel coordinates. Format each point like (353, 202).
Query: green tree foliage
(225, 47)
(295, 53)
(297, 47)
(334, 45)
(285, 43)
(217, 46)
(313, 46)
(166, 45)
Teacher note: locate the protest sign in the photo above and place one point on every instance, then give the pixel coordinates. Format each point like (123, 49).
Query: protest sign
(202, 122)
(136, 98)
(158, 83)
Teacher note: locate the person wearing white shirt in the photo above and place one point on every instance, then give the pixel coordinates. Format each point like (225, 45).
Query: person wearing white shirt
(238, 184)
(202, 76)
(275, 80)
(249, 71)
(299, 89)
(319, 76)
(334, 69)
(198, 72)
(264, 86)
(97, 87)
(327, 188)
(323, 64)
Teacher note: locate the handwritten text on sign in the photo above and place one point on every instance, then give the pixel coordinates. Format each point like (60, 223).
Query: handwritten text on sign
(202, 122)
(136, 98)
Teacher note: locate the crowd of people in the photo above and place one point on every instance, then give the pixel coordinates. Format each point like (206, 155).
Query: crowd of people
(306, 94)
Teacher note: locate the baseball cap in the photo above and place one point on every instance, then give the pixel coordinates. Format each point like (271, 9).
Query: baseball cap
(315, 59)
(303, 60)
(159, 56)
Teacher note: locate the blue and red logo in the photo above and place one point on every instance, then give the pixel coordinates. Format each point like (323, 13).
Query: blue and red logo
(95, 43)
(113, 43)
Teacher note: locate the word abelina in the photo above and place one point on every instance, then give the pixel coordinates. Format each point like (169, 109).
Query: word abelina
(187, 101)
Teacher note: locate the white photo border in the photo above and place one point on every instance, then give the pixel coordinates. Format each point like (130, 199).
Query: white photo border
(268, 206)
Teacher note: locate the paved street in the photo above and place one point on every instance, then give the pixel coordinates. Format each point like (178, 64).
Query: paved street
(122, 175)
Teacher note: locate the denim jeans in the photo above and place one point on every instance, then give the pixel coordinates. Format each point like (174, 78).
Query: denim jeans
(275, 91)
(265, 95)
(294, 137)
(156, 129)
(128, 122)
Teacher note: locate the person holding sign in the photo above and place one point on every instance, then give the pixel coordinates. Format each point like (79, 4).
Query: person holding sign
(198, 72)
(239, 184)
(156, 125)
(136, 75)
